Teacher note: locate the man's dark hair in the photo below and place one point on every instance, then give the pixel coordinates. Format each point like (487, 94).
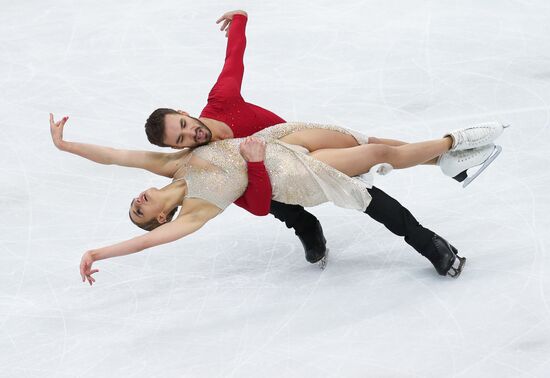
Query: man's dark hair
(154, 127)
(154, 223)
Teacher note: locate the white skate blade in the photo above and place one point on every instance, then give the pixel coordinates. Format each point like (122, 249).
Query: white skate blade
(486, 163)
(322, 264)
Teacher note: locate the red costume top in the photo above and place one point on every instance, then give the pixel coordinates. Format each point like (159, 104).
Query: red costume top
(226, 104)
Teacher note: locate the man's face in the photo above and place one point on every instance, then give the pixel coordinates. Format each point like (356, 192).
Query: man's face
(182, 130)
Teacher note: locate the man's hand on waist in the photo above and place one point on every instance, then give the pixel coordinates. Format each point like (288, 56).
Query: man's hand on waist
(252, 149)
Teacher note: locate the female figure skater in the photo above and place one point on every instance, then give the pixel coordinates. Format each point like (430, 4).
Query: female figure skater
(304, 169)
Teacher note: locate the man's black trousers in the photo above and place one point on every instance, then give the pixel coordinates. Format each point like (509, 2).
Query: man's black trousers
(382, 208)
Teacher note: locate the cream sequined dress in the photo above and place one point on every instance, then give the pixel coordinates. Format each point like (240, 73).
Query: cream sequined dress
(217, 172)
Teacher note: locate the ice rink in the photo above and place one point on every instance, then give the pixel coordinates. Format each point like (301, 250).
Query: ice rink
(238, 299)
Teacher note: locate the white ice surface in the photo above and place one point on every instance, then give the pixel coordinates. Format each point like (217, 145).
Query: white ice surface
(237, 299)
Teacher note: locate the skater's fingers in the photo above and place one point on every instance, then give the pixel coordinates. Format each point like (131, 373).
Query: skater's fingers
(82, 270)
(226, 24)
(51, 119)
(222, 17)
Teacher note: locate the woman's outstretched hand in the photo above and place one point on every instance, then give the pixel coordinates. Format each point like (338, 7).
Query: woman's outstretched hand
(56, 129)
(227, 18)
(252, 149)
(86, 270)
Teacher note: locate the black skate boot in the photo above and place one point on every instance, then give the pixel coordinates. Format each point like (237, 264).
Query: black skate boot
(314, 243)
(446, 260)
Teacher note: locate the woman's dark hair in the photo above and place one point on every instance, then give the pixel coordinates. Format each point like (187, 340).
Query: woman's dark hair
(154, 127)
(154, 223)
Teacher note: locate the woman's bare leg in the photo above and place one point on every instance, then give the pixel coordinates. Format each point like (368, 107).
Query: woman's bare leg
(320, 139)
(387, 142)
(357, 160)
(396, 143)
(317, 139)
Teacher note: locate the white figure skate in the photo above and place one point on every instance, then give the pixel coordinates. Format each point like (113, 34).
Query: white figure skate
(476, 136)
(456, 164)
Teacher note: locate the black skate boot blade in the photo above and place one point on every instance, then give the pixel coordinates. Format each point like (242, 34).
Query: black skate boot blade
(455, 272)
(461, 176)
(314, 243)
(486, 163)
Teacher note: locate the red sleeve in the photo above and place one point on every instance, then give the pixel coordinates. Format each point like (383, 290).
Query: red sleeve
(230, 79)
(257, 197)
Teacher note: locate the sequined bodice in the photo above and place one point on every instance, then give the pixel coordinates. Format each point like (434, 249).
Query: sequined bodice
(217, 172)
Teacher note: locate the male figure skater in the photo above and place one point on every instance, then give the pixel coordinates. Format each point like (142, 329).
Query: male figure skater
(227, 115)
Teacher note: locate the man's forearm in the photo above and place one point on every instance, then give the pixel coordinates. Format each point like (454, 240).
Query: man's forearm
(233, 67)
(257, 197)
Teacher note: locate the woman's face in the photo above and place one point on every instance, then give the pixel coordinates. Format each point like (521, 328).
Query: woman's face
(146, 206)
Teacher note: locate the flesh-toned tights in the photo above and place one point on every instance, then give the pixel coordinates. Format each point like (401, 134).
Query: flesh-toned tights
(342, 152)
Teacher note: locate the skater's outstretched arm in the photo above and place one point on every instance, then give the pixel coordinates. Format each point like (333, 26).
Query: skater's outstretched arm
(194, 214)
(230, 79)
(163, 164)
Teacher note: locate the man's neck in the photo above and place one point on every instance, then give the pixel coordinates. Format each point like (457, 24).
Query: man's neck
(219, 129)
